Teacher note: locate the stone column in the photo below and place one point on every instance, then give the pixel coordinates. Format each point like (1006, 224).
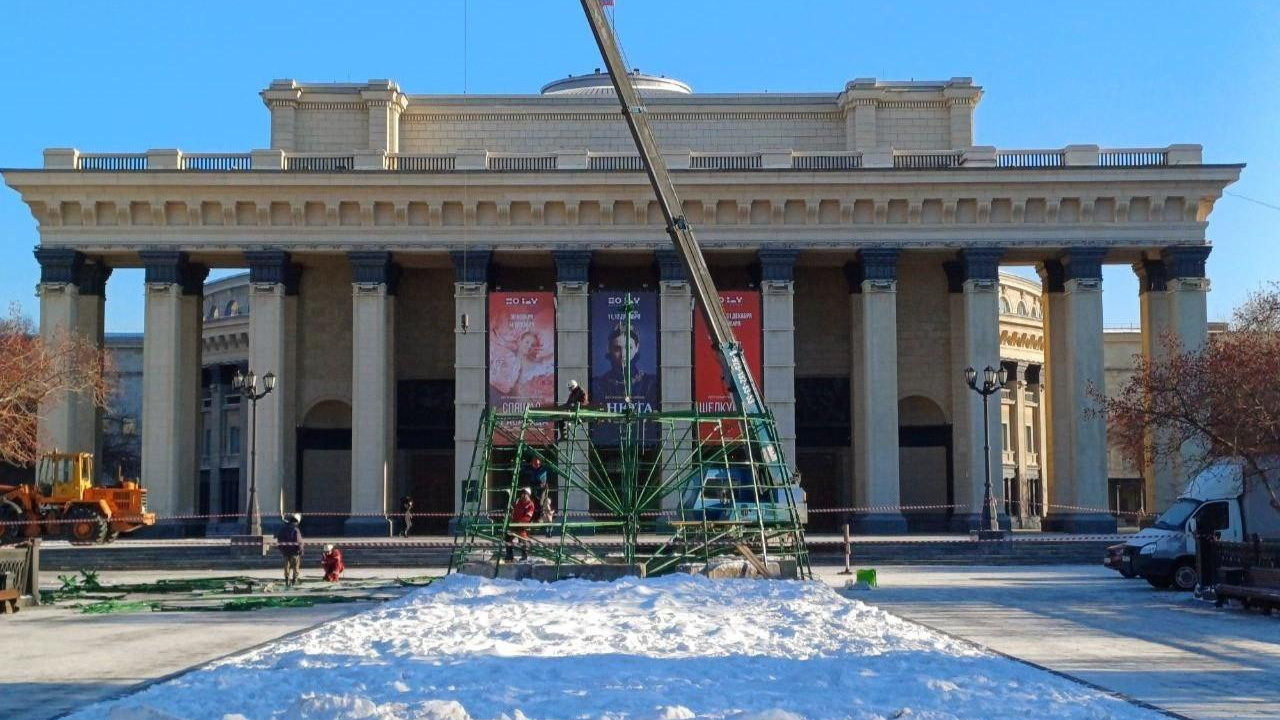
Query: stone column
(873, 280)
(1172, 293)
(471, 381)
(171, 393)
(675, 311)
(778, 307)
(974, 282)
(273, 335)
(72, 295)
(373, 385)
(1076, 365)
(1018, 436)
(572, 353)
(1035, 378)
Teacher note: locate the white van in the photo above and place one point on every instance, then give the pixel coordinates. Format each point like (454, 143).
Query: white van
(1165, 553)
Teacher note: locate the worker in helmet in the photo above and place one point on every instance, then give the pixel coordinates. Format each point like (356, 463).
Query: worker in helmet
(332, 563)
(576, 400)
(289, 541)
(577, 396)
(522, 512)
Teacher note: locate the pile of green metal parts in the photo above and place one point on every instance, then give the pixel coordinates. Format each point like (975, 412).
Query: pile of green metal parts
(87, 593)
(657, 492)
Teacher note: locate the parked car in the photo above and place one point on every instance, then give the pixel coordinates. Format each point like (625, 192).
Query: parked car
(1115, 560)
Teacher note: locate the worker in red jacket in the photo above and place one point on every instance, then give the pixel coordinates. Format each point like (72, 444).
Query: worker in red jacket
(332, 562)
(521, 512)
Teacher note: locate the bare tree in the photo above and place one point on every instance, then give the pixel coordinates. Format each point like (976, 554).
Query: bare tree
(1218, 401)
(34, 370)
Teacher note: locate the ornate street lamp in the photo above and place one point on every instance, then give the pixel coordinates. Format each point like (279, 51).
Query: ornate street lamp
(248, 387)
(992, 381)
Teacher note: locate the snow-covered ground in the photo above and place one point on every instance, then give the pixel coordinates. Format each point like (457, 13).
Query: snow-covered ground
(662, 649)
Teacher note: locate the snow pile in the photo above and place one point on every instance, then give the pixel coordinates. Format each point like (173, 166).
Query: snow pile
(660, 649)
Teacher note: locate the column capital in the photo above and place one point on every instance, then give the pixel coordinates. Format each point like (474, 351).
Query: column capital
(1082, 264)
(1185, 261)
(471, 266)
(777, 264)
(1051, 276)
(1016, 371)
(1153, 276)
(876, 265)
(274, 267)
(670, 269)
(71, 267)
(173, 267)
(981, 265)
(374, 267)
(572, 266)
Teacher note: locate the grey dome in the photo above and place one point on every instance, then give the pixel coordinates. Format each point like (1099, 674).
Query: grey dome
(598, 83)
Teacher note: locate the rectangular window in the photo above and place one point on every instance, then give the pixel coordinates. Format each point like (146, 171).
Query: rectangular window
(1004, 433)
(208, 441)
(1031, 438)
(233, 440)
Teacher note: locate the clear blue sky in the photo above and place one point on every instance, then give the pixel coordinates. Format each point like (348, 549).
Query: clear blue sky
(126, 76)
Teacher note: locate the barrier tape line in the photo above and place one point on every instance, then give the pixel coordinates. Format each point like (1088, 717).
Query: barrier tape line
(567, 513)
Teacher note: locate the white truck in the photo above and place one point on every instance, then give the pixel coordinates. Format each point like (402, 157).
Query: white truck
(1219, 502)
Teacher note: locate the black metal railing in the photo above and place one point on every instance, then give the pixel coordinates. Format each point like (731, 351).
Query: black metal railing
(1132, 158)
(113, 162)
(522, 163)
(319, 163)
(615, 163)
(826, 162)
(926, 161)
(216, 163)
(1029, 158)
(725, 162)
(422, 163)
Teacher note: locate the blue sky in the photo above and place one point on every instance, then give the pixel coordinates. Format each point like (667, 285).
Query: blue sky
(126, 76)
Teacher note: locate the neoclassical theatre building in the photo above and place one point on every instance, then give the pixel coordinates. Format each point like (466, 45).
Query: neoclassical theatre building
(415, 258)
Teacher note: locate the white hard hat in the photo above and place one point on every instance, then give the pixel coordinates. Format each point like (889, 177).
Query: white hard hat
(525, 491)
(328, 547)
(573, 383)
(296, 517)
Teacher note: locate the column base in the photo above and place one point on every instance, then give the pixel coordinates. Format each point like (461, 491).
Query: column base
(367, 527)
(969, 522)
(890, 523)
(1084, 523)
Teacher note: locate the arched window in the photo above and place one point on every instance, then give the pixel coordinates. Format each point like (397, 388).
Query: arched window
(233, 308)
(1022, 308)
(1004, 306)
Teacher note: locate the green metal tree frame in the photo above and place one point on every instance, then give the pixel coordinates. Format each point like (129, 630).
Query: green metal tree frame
(664, 491)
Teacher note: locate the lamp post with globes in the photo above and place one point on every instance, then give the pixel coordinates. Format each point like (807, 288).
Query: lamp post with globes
(993, 380)
(247, 384)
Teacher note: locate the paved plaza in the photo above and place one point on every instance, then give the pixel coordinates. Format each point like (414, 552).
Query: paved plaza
(1163, 648)
(1160, 647)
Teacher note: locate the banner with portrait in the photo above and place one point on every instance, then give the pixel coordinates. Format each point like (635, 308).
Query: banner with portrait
(710, 393)
(611, 340)
(522, 354)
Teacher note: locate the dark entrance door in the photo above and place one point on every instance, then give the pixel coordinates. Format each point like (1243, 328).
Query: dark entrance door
(926, 475)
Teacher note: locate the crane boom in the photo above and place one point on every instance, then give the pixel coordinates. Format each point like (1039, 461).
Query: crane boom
(746, 393)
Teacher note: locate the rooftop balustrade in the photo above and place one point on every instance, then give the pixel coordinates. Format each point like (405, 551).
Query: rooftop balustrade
(481, 160)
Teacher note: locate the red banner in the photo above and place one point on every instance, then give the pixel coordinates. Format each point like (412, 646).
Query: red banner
(710, 392)
(522, 352)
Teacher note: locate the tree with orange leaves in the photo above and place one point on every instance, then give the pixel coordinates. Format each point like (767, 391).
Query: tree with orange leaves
(33, 371)
(1218, 401)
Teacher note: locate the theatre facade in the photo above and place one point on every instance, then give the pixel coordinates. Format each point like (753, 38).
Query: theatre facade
(414, 259)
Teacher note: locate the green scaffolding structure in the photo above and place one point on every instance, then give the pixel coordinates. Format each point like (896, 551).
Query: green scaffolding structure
(658, 492)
